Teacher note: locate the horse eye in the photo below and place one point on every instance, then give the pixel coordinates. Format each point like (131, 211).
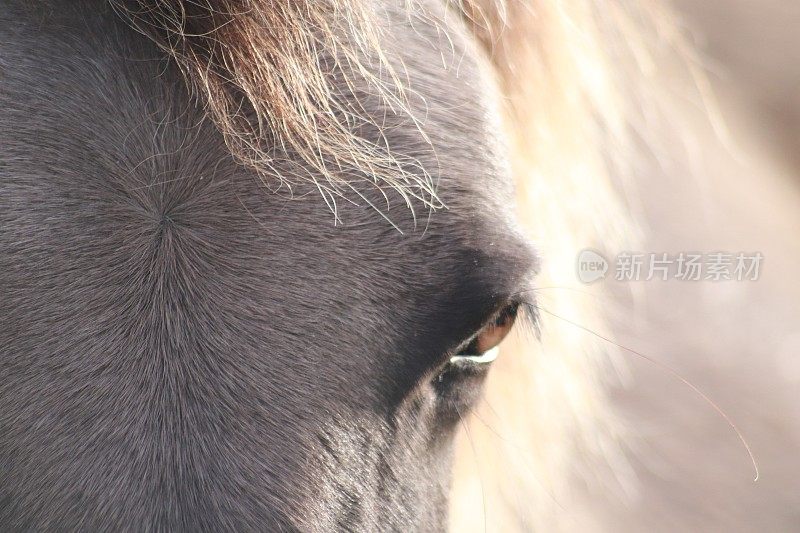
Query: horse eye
(483, 348)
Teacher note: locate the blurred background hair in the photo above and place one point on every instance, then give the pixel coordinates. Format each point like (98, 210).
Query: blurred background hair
(711, 122)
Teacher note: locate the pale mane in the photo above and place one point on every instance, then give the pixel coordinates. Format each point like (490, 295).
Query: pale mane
(263, 70)
(574, 76)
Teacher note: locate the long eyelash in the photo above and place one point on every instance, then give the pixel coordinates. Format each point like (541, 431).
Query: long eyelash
(528, 314)
(530, 318)
(677, 375)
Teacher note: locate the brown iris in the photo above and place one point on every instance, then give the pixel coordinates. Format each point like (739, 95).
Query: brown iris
(492, 333)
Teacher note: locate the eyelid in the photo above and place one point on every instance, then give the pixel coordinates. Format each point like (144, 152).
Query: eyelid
(490, 335)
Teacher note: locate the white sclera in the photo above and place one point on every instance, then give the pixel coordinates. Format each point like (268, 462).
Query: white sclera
(482, 359)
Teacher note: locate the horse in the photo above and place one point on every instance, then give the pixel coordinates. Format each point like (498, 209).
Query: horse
(257, 257)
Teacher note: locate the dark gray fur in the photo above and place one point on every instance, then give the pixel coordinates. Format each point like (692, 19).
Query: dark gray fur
(183, 349)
